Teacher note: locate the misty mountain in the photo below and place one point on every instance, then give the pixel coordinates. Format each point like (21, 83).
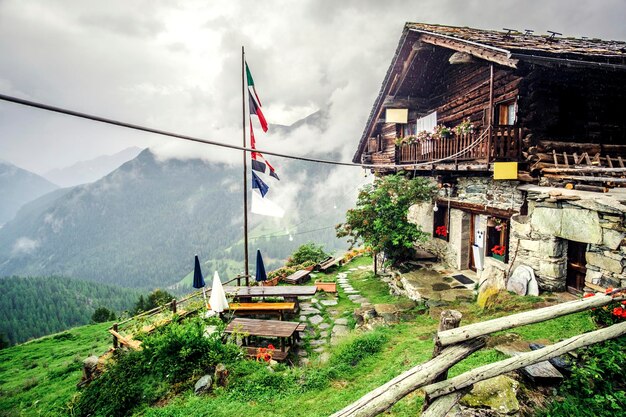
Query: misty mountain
(319, 120)
(84, 172)
(17, 187)
(141, 225)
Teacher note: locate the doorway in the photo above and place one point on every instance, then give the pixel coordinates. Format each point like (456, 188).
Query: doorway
(576, 269)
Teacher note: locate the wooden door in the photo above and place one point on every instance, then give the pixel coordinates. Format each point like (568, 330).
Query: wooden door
(576, 269)
(472, 239)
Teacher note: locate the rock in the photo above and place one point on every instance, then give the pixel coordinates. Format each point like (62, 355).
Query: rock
(342, 322)
(612, 239)
(488, 294)
(90, 368)
(304, 361)
(203, 385)
(498, 394)
(221, 375)
(317, 319)
(387, 311)
(604, 262)
(354, 296)
(324, 358)
(519, 279)
(302, 352)
(329, 302)
(324, 326)
(309, 311)
(364, 314)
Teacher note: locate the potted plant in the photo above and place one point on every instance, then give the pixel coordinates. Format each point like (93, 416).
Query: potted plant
(326, 286)
(464, 127)
(265, 354)
(498, 252)
(442, 132)
(441, 231)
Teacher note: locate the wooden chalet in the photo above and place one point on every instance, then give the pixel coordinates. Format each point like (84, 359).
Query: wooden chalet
(550, 102)
(457, 103)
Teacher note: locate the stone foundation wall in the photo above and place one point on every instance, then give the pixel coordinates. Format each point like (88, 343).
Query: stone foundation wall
(540, 239)
(488, 192)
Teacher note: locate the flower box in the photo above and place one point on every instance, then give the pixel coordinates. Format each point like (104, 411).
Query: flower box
(326, 286)
(271, 282)
(498, 257)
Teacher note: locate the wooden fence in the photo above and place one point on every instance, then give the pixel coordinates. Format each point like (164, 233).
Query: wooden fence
(453, 344)
(182, 307)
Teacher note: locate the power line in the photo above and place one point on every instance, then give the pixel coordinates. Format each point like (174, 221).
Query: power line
(87, 116)
(293, 234)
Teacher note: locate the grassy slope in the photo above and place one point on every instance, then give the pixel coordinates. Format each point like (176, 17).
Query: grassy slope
(410, 343)
(40, 377)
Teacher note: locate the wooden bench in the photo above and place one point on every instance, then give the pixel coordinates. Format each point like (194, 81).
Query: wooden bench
(297, 333)
(298, 277)
(262, 308)
(328, 263)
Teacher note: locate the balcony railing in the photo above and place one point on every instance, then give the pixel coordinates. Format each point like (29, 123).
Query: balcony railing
(503, 144)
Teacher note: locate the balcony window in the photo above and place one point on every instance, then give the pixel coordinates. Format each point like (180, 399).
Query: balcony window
(505, 113)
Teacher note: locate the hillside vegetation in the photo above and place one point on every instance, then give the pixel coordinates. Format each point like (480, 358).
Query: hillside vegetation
(164, 387)
(141, 225)
(36, 306)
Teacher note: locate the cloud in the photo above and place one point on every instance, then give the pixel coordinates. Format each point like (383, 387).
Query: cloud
(24, 246)
(177, 67)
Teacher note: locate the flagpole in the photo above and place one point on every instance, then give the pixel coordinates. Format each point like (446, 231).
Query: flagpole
(245, 167)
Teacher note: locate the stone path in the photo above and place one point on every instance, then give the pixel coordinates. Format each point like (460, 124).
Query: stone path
(325, 324)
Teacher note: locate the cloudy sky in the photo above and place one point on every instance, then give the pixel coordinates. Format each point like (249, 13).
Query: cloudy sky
(176, 66)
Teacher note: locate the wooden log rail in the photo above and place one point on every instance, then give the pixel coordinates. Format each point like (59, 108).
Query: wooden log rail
(174, 306)
(454, 344)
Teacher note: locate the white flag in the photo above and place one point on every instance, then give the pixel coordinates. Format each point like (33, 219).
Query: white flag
(265, 207)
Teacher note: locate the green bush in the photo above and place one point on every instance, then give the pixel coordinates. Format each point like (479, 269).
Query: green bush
(309, 252)
(597, 387)
(173, 355)
(352, 353)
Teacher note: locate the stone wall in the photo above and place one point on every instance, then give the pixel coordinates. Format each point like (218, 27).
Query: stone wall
(540, 239)
(487, 192)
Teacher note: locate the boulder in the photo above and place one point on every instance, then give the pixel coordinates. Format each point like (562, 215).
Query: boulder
(203, 385)
(519, 279)
(498, 394)
(364, 314)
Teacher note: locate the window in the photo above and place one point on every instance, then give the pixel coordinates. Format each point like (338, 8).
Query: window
(441, 226)
(427, 123)
(498, 238)
(505, 113)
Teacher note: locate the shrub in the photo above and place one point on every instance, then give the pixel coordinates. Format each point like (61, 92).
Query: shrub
(597, 387)
(380, 217)
(102, 314)
(309, 252)
(352, 353)
(173, 354)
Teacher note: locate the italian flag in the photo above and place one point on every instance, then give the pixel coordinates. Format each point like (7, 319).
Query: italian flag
(254, 101)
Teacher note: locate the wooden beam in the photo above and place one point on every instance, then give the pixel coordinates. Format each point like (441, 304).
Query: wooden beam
(586, 179)
(443, 404)
(385, 396)
(471, 331)
(584, 170)
(477, 208)
(410, 103)
(475, 50)
(524, 359)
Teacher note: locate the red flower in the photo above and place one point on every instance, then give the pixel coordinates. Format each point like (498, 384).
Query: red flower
(441, 231)
(589, 294)
(498, 250)
(609, 290)
(271, 347)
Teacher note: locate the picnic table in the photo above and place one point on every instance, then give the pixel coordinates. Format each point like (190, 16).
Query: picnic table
(284, 330)
(262, 308)
(290, 294)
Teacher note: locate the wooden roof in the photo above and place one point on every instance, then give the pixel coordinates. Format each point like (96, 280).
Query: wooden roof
(427, 44)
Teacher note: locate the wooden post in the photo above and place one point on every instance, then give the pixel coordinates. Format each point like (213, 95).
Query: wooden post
(115, 342)
(245, 167)
(173, 306)
(375, 263)
(449, 319)
(490, 114)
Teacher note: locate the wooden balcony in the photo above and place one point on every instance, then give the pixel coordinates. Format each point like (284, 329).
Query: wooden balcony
(503, 144)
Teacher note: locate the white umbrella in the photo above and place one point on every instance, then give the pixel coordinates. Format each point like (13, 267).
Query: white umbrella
(218, 299)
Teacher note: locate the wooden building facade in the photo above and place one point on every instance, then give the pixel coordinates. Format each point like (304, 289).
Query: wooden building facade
(457, 102)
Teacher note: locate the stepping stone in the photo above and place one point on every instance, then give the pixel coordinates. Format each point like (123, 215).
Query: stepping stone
(304, 306)
(341, 322)
(363, 267)
(361, 301)
(302, 352)
(351, 291)
(304, 361)
(340, 330)
(329, 302)
(317, 319)
(302, 318)
(354, 296)
(306, 297)
(314, 300)
(353, 269)
(324, 326)
(324, 334)
(317, 342)
(309, 312)
(319, 349)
